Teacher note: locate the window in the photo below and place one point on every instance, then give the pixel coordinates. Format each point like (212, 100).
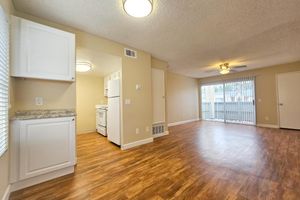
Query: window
(4, 57)
(230, 101)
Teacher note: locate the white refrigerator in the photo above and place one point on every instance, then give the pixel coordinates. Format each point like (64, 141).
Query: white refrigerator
(113, 112)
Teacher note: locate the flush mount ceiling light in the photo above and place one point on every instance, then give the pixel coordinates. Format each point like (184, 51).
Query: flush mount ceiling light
(83, 66)
(138, 8)
(224, 68)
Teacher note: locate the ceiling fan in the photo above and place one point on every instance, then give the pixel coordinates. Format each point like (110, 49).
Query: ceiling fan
(225, 68)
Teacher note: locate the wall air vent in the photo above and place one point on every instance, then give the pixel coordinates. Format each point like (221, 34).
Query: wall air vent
(130, 53)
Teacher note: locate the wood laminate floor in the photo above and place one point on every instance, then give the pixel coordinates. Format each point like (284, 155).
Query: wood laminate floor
(200, 160)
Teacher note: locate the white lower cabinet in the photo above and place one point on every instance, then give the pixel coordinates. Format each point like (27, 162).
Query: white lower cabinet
(40, 146)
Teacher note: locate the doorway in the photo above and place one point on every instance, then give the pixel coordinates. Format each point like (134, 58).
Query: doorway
(92, 98)
(288, 100)
(230, 101)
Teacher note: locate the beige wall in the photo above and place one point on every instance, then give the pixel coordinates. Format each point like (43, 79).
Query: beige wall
(159, 64)
(56, 95)
(4, 167)
(139, 113)
(266, 108)
(4, 159)
(134, 71)
(182, 98)
(89, 92)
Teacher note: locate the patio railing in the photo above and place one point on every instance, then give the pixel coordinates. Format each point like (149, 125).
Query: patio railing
(240, 112)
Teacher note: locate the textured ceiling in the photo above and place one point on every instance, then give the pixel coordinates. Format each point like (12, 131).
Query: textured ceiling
(191, 35)
(103, 64)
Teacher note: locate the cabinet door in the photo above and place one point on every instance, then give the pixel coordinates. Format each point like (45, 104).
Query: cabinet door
(46, 145)
(42, 52)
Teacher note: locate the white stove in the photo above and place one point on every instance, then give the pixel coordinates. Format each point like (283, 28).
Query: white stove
(101, 119)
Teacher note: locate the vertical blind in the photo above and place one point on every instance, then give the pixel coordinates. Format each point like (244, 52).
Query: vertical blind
(229, 101)
(4, 57)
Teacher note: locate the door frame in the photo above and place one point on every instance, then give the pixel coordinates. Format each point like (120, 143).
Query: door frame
(277, 95)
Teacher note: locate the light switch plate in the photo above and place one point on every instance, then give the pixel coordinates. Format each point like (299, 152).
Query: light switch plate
(138, 86)
(127, 101)
(39, 101)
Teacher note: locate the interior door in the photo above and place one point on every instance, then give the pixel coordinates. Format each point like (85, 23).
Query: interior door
(289, 100)
(158, 95)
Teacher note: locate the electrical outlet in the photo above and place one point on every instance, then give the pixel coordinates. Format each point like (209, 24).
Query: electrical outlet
(39, 101)
(147, 129)
(137, 131)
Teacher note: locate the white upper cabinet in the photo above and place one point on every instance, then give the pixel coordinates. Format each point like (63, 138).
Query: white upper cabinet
(42, 52)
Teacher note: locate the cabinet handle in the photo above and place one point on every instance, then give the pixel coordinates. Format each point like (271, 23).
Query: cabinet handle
(73, 119)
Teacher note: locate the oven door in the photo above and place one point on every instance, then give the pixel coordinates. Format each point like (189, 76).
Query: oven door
(101, 117)
(101, 130)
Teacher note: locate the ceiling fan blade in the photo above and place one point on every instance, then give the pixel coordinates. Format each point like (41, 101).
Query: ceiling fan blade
(238, 67)
(210, 71)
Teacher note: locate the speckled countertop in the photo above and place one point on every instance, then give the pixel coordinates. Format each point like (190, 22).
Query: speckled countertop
(42, 114)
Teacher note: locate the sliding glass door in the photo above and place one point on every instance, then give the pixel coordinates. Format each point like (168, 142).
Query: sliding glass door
(213, 102)
(229, 101)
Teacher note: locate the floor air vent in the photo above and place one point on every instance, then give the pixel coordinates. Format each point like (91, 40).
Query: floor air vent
(158, 129)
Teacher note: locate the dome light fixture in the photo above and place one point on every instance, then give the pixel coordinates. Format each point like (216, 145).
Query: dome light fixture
(224, 68)
(138, 8)
(83, 66)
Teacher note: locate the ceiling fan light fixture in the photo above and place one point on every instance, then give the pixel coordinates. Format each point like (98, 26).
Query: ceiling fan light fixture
(224, 68)
(138, 8)
(83, 66)
(224, 71)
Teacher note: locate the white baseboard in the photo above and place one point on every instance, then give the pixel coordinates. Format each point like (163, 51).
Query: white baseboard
(85, 132)
(268, 125)
(136, 143)
(161, 134)
(183, 122)
(39, 179)
(6, 193)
